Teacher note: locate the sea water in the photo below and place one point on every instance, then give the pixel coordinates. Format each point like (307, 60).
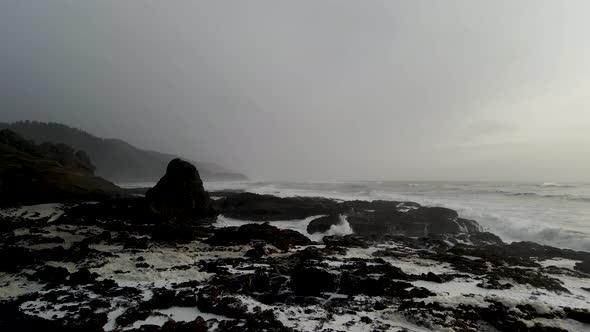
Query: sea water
(556, 214)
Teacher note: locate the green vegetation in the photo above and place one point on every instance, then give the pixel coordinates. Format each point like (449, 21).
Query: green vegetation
(31, 174)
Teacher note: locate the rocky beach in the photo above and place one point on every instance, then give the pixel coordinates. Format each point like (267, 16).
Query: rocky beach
(177, 258)
(294, 166)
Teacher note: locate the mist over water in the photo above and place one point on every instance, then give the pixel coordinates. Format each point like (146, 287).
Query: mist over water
(547, 213)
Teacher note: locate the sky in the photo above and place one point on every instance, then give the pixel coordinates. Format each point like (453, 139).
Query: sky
(315, 90)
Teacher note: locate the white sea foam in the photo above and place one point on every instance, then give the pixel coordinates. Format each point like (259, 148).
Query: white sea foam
(33, 212)
(163, 259)
(342, 228)
(12, 286)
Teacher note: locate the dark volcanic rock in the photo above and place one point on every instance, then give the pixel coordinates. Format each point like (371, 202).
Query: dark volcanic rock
(347, 241)
(313, 281)
(257, 252)
(323, 224)
(483, 238)
(248, 206)
(581, 315)
(526, 250)
(132, 315)
(280, 238)
(172, 233)
(583, 267)
(264, 321)
(179, 196)
(198, 325)
(376, 218)
(163, 298)
(82, 277)
(50, 274)
(420, 221)
(210, 299)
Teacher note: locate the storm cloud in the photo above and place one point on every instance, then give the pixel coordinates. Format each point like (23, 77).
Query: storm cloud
(315, 90)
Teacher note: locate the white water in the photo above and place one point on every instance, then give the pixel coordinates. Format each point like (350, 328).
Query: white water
(343, 228)
(548, 213)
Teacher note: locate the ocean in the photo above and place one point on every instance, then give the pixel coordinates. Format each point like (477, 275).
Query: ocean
(556, 214)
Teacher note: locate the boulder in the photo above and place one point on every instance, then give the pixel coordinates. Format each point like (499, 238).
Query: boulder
(179, 196)
(323, 224)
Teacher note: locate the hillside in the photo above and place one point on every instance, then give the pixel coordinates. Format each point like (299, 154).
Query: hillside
(114, 159)
(31, 174)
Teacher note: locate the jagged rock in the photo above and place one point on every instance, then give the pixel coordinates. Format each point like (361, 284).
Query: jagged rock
(163, 298)
(248, 206)
(264, 321)
(313, 281)
(136, 243)
(210, 299)
(323, 224)
(526, 250)
(82, 277)
(172, 233)
(132, 315)
(347, 241)
(50, 274)
(420, 221)
(186, 298)
(283, 239)
(257, 252)
(494, 284)
(376, 218)
(197, 325)
(581, 315)
(179, 196)
(583, 267)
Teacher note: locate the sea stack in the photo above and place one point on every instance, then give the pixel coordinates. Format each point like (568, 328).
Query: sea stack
(179, 196)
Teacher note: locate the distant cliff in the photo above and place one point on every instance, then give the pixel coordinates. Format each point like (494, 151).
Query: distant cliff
(114, 159)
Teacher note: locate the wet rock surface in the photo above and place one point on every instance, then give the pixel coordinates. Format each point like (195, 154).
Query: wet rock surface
(323, 224)
(374, 218)
(103, 267)
(179, 196)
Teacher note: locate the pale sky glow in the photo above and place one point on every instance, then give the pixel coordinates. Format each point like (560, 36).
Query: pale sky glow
(315, 90)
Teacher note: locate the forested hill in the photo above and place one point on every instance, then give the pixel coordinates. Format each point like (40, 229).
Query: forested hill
(115, 159)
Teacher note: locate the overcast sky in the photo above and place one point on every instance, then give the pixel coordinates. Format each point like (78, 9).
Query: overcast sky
(315, 90)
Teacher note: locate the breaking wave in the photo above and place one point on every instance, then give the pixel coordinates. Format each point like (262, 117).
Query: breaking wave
(342, 228)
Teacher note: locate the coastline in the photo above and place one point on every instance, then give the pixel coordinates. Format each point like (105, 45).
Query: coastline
(229, 277)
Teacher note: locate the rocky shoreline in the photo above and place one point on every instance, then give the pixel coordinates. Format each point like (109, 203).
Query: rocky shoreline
(168, 262)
